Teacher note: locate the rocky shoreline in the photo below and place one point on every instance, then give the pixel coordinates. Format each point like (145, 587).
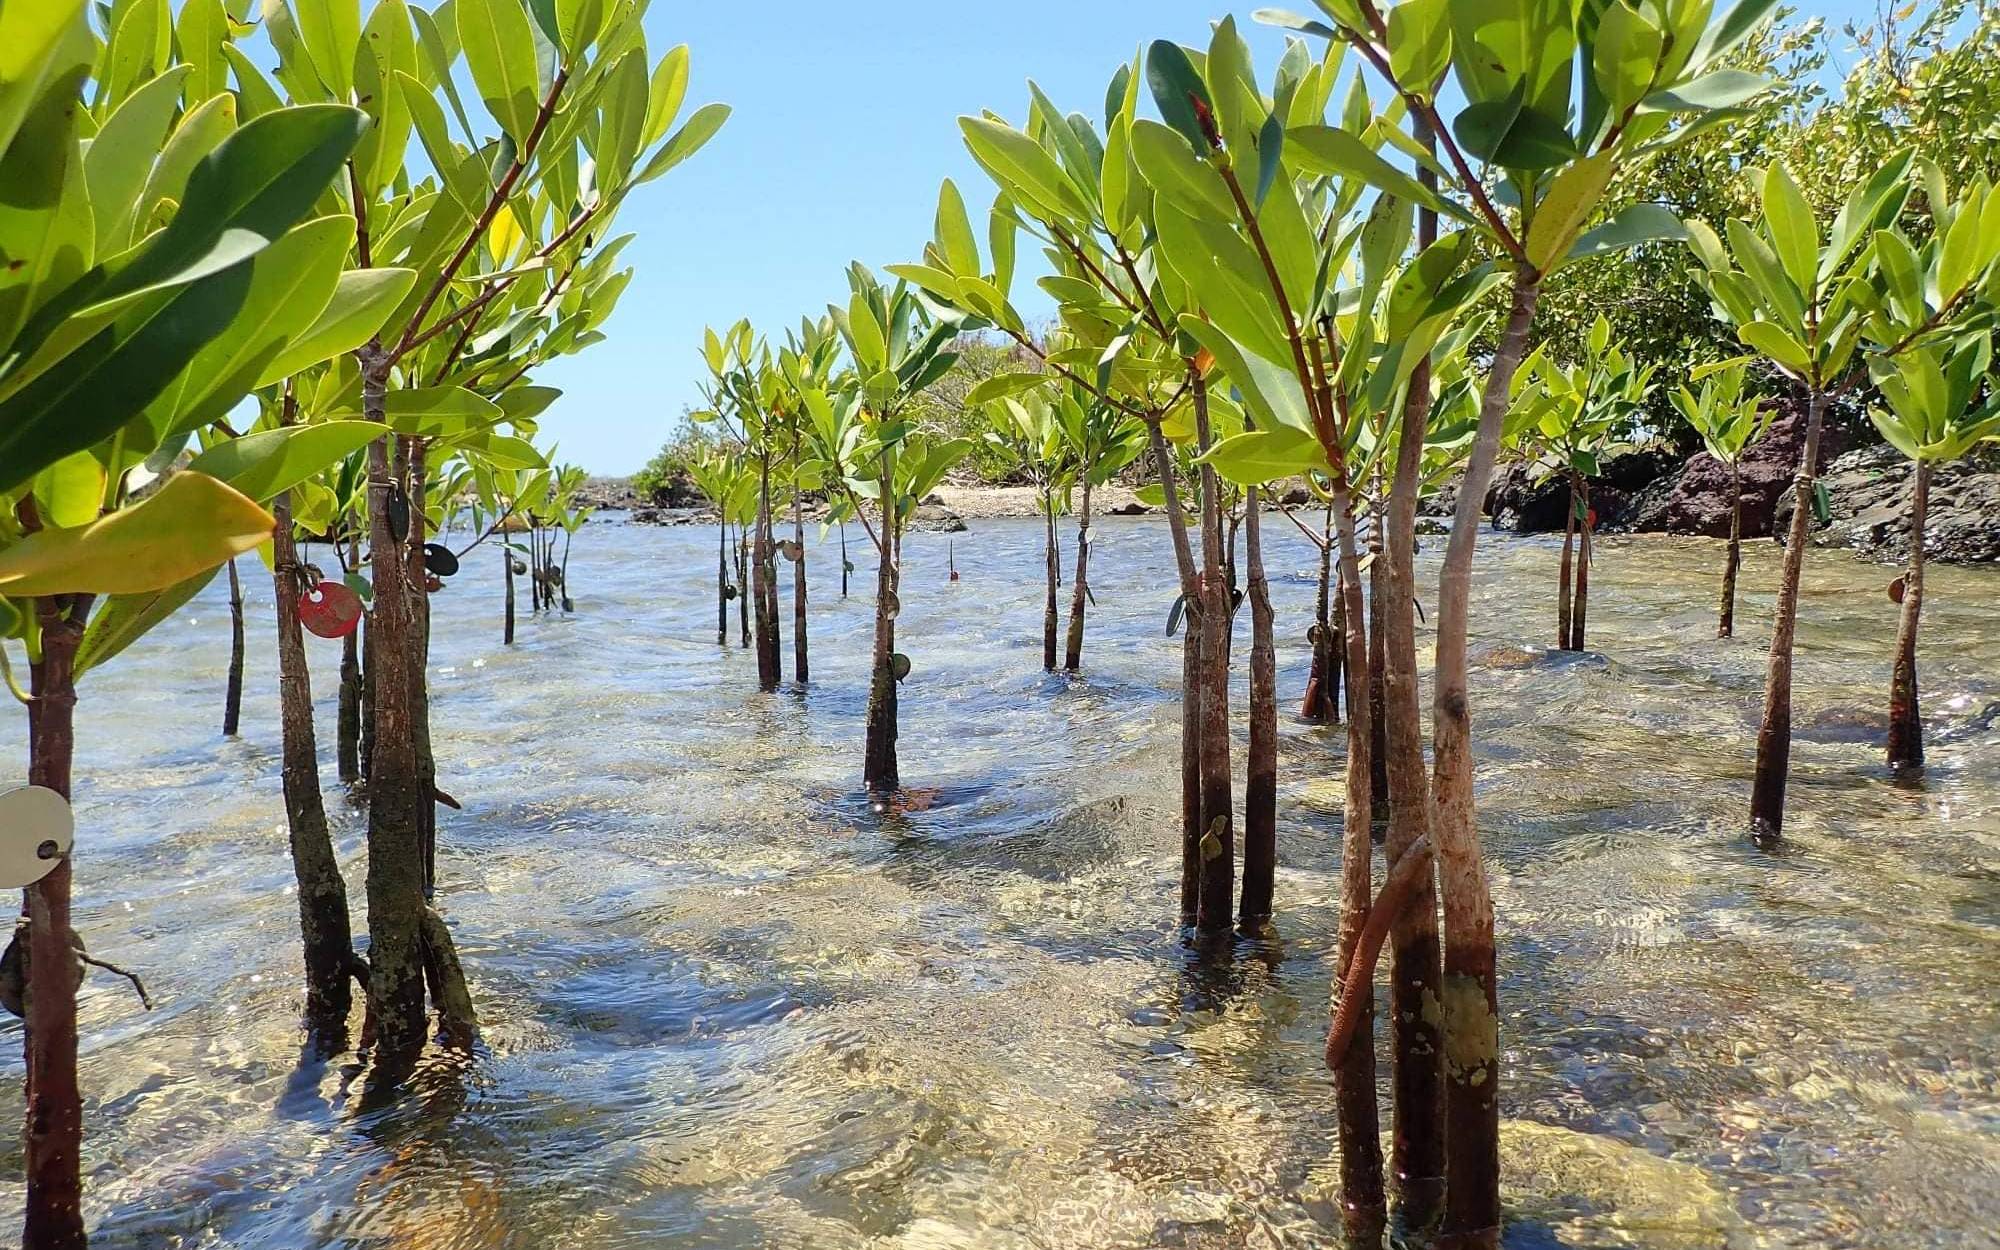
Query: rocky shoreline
(1647, 491)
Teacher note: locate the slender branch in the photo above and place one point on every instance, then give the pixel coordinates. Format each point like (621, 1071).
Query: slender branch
(1067, 372)
(1090, 267)
(1427, 111)
(486, 215)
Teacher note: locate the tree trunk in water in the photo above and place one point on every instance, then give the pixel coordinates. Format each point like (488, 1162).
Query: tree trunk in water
(722, 584)
(743, 592)
(1566, 577)
(844, 569)
(1418, 1131)
(507, 629)
(1726, 627)
(396, 803)
(1580, 611)
(1363, 1207)
(1469, 997)
(364, 709)
(1191, 685)
(1340, 691)
(801, 663)
(1906, 725)
(1079, 594)
(52, 1132)
(1260, 785)
(232, 695)
(769, 668)
(1322, 701)
(1051, 561)
(325, 928)
(347, 729)
(1217, 843)
(1774, 732)
(1378, 782)
(879, 766)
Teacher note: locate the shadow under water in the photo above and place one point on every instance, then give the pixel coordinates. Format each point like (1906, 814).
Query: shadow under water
(725, 1004)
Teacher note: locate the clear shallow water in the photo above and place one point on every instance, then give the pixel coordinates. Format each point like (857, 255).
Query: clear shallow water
(725, 1006)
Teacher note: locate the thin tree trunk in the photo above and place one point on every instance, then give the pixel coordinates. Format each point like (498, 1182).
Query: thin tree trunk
(232, 697)
(1417, 1150)
(722, 584)
(1580, 611)
(365, 705)
(1566, 577)
(415, 455)
(1470, 997)
(1260, 785)
(880, 771)
(801, 661)
(396, 803)
(507, 629)
(1417, 1153)
(743, 590)
(1218, 835)
(1073, 644)
(1774, 732)
(1363, 1207)
(325, 928)
(769, 668)
(845, 568)
(52, 1133)
(1338, 691)
(1191, 671)
(1051, 563)
(1377, 664)
(1321, 704)
(347, 729)
(1726, 627)
(1906, 725)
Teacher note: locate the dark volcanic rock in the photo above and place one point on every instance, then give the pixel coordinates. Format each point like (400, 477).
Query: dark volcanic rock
(1870, 494)
(1519, 503)
(1696, 500)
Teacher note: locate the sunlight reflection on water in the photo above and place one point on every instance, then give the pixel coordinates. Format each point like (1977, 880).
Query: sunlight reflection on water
(725, 1005)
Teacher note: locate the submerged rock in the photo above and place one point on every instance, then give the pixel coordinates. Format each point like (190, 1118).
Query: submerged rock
(937, 519)
(1587, 1186)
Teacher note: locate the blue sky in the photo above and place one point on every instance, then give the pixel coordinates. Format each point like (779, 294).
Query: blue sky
(844, 123)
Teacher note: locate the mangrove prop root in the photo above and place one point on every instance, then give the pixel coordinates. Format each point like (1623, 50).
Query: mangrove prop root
(138, 986)
(1400, 886)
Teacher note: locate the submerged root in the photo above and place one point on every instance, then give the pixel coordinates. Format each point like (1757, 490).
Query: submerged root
(457, 1025)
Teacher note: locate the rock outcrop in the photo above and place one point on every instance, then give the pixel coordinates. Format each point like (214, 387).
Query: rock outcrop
(1870, 493)
(1696, 499)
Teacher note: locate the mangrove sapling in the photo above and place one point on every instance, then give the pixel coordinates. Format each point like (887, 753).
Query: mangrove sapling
(84, 568)
(1730, 418)
(1026, 433)
(499, 232)
(1941, 404)
(1809, 301)
(1102, 443)
(1566, 421)
(715, 474)
(1529, 60)
(898, 349)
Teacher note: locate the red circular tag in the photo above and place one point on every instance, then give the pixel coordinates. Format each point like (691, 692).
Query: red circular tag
(330, 610)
